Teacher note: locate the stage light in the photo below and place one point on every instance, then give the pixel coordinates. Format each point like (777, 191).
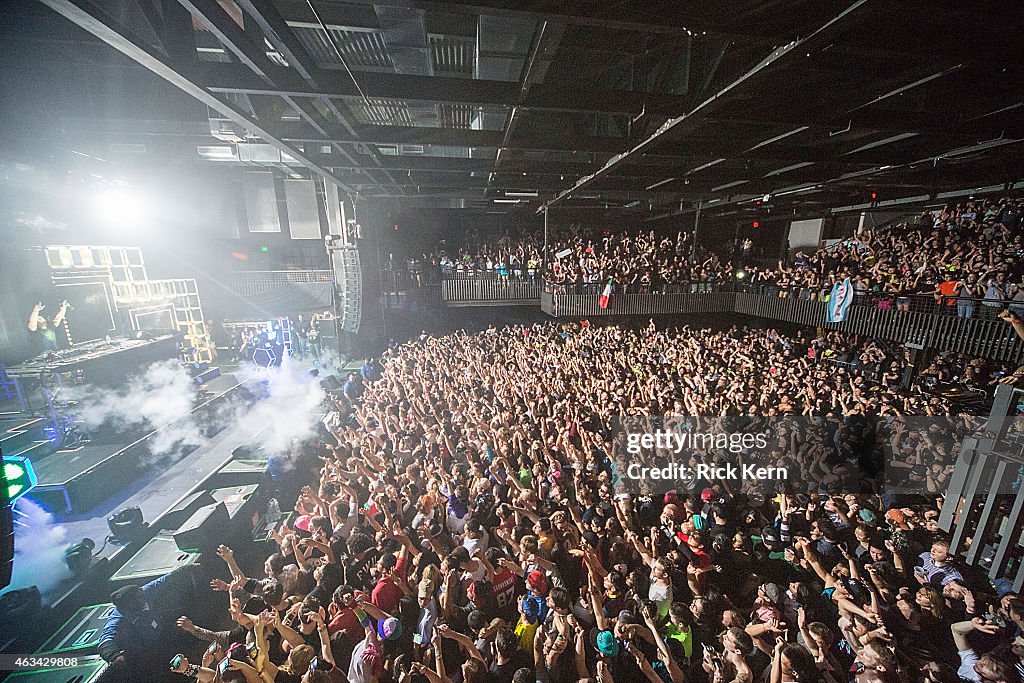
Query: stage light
(740, 274)
(755, 224)
(264, 249)
(874, 195)
(120, 206)
(18, 477)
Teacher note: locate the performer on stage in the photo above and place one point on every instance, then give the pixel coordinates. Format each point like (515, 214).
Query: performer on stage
(44, 331)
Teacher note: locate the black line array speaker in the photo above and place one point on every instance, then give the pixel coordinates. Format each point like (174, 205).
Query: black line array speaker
(348, 286)
(185, 508)
(204, 530)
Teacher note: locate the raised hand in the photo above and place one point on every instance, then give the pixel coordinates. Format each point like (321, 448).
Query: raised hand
(182, 665)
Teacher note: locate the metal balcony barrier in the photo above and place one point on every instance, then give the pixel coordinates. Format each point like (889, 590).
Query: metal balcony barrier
(487, 291)
(915, 320)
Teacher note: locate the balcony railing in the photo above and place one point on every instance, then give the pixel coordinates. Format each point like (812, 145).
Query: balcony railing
(465, 291)
(916, 320)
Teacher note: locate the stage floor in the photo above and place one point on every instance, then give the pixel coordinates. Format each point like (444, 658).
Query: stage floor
(154, 494)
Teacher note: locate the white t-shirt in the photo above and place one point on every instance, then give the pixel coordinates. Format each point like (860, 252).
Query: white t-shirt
(359, 670)
(660, 594)
(968, 658)
(346, 525)
(471, 544)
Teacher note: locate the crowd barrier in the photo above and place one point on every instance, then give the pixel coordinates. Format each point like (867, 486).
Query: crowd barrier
(980, 336)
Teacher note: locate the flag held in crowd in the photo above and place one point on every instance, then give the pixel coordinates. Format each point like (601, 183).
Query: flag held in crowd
(839, 301)
(605, 295)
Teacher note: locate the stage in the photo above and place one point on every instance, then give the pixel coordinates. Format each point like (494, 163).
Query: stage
(74, 480)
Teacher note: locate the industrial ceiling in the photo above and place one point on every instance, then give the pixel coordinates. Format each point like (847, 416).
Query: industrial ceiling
(647, 107)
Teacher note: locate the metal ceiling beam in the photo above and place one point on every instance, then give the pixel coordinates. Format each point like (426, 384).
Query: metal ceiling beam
(212, 16)
(101, 25)
(411, 135)
(709, 105)
(231, 78)
(284, 40)
(543, 51)
(402, 164)
(280, 36)
(681, 20)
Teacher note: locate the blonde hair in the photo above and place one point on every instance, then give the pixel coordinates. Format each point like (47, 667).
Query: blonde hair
(299, 659)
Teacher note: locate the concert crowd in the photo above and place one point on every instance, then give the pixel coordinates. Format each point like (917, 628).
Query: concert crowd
(467, 518)
(966, 260)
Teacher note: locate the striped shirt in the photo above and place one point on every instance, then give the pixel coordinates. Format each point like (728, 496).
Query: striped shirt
(941, 576)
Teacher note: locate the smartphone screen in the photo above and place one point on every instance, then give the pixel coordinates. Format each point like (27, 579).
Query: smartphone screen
(223, 666)
(176, 662)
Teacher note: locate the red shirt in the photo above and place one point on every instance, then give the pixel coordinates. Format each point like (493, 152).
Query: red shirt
(386, 594)
(504, 583)
(346, 621)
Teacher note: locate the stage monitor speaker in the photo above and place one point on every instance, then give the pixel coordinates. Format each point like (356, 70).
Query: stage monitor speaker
(207, 527)
(80, 635)
(19, 613)
(331, 383)
(185, 508)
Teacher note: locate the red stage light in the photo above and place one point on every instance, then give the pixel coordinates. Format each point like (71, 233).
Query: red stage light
(756, 224)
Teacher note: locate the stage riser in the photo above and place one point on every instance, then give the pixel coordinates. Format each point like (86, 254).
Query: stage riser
(80, 635)
(77, 491)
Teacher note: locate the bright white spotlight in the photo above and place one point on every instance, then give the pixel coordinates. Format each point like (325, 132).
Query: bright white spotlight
(120, 206)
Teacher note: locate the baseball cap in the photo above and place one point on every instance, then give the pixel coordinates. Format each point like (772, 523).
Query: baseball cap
(537, 581)
(389, 629)
(770, 537)
(604, 642)
(897, 516)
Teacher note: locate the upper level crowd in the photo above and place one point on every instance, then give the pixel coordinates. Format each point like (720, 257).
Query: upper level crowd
(967, 259)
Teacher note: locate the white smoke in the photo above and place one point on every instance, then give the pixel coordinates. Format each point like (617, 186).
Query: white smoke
(289, 410)
(38, 222)
(160, 399)
(39, 546)
(286, 410)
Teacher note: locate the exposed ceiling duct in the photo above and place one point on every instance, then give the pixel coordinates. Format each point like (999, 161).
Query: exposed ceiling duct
(405, 35)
